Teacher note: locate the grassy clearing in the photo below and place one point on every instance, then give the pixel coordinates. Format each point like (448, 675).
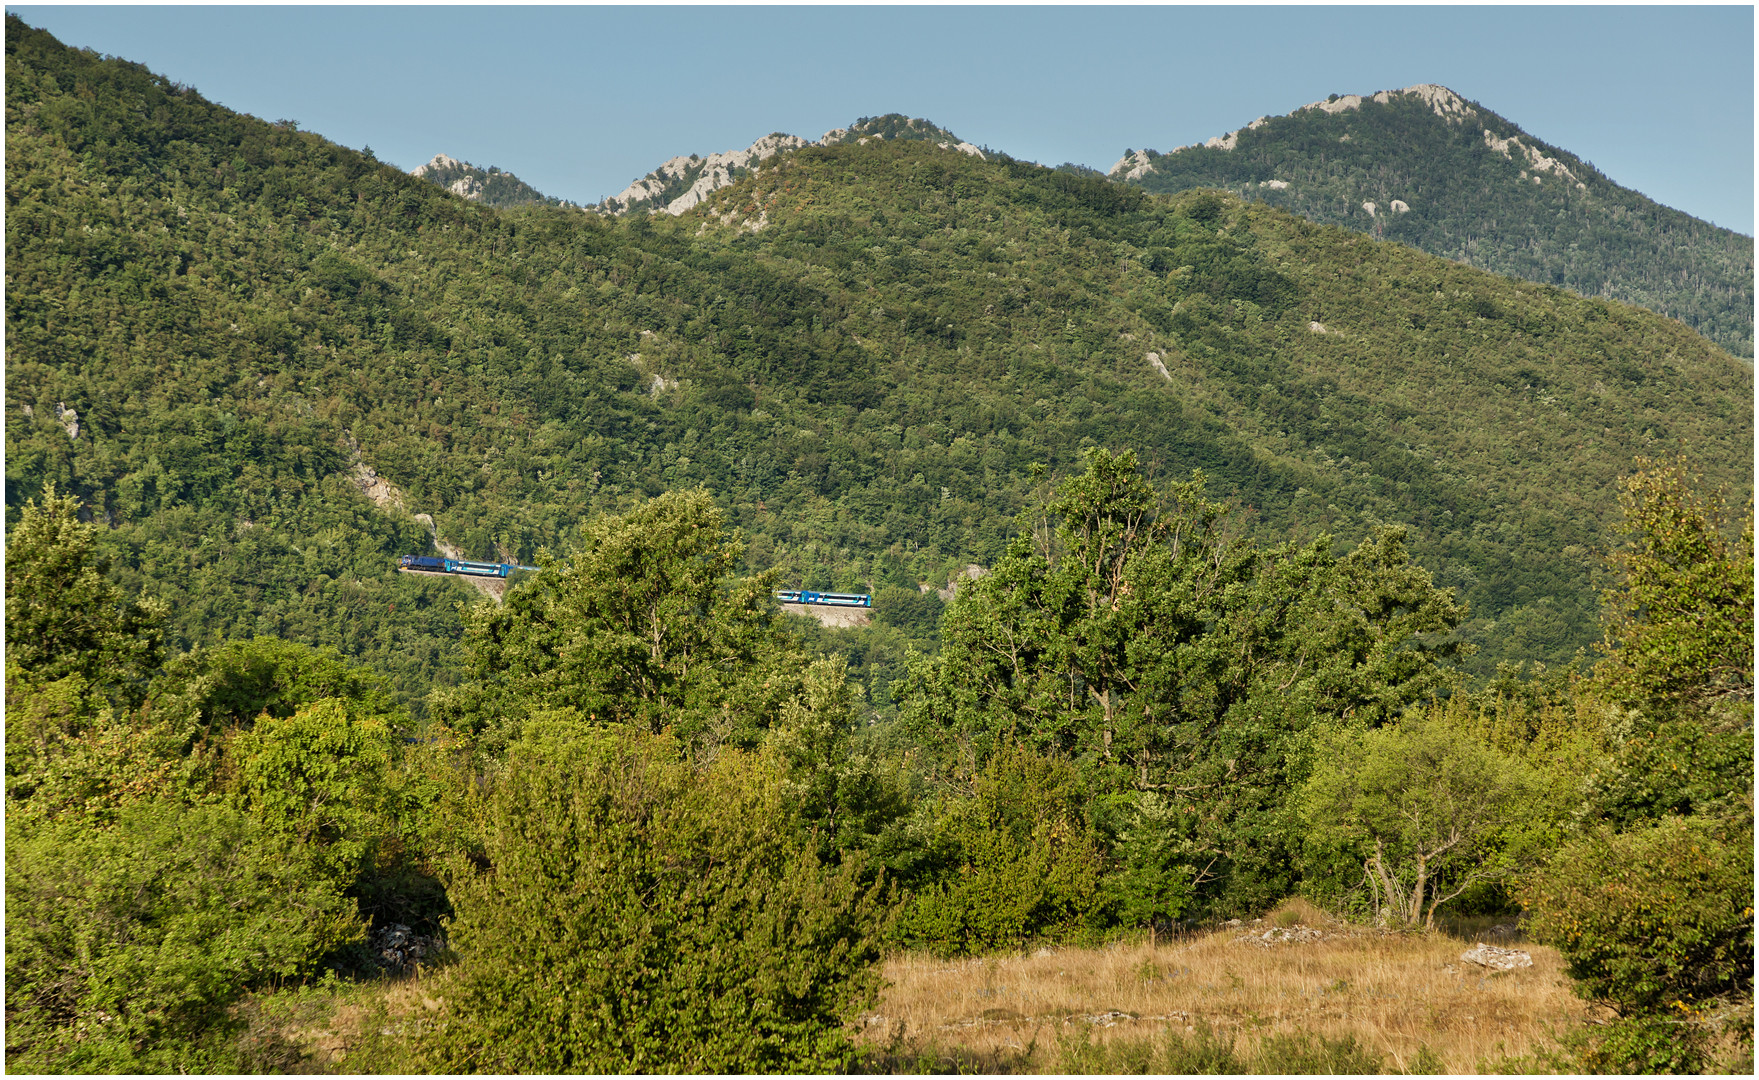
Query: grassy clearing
(1325, 997)
(1352, 1000)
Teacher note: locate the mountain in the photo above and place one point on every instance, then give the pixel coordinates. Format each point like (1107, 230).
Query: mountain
(1428, 168)
(490, 186)
(290, 363)
(683, 182)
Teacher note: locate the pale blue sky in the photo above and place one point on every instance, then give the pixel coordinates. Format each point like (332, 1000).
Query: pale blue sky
(579, 101)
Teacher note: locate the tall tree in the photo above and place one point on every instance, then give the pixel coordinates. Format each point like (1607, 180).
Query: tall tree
(64, 616)
(1137, 636)
(1679, 625)
(645, 626)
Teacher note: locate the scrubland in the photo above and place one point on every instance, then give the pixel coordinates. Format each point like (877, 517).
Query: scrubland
(1323, 997)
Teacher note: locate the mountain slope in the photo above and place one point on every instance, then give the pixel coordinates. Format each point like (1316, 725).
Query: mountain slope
(1427, 168)
(864, 351)
(490, 186)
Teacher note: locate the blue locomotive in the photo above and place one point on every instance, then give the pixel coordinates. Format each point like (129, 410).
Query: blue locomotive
(834, 599)
(430, 565)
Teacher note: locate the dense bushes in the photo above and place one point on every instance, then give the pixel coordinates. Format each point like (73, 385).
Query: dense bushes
(1655, 920)
(1020, 862)
(127, 946)
(620, 910)
(1426, 811)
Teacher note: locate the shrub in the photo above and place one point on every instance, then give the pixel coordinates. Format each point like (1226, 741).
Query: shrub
(1653, 920)
(1427, 810)
(622, 911)
(1028, 867)
(127, 946)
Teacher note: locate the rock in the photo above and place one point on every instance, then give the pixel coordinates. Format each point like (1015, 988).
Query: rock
(1132, 166)
(1276, 935)
(1497, 959)
(971, 572)
(396, 946)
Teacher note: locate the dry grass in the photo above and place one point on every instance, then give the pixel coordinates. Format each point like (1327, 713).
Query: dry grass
(328, 1025)
(1397, 994)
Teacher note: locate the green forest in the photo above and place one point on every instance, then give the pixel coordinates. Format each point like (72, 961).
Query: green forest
(1460, 197)
(1285, 540)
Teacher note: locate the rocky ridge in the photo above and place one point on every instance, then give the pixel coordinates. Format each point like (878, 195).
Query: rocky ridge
(490, 186)
(682, 182)
(1451, 107)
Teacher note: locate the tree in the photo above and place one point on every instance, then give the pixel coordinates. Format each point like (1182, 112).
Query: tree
(641, 628)
(841, 796)
(1141, 640)
(1679, 626)
(1429, 811)
(620, 910)
(232, 685)
(1651, 907)
(63, 615)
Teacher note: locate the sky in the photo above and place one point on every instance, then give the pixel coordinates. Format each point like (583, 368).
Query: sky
(579, 101)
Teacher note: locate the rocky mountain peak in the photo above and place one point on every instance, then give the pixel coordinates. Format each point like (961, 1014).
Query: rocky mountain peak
(491, 186)
(683, 182)
(1446, 104)
(440, 163)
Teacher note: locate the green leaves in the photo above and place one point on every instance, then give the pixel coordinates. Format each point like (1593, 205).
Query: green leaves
(627, 912)
(1022, 862)
(1166, 656)
(1428, 812)
(640, 628)
(323, 776)
(1657, 920)
(126, 946)
(63, 616)
(1651, 906)
(1679, 628)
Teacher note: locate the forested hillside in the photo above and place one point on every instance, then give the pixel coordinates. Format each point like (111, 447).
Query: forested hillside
(1426, 168)
(864, 352)
(1247, 489)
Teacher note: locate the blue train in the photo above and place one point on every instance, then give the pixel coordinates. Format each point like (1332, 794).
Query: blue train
(834, 599)
(431, 565)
